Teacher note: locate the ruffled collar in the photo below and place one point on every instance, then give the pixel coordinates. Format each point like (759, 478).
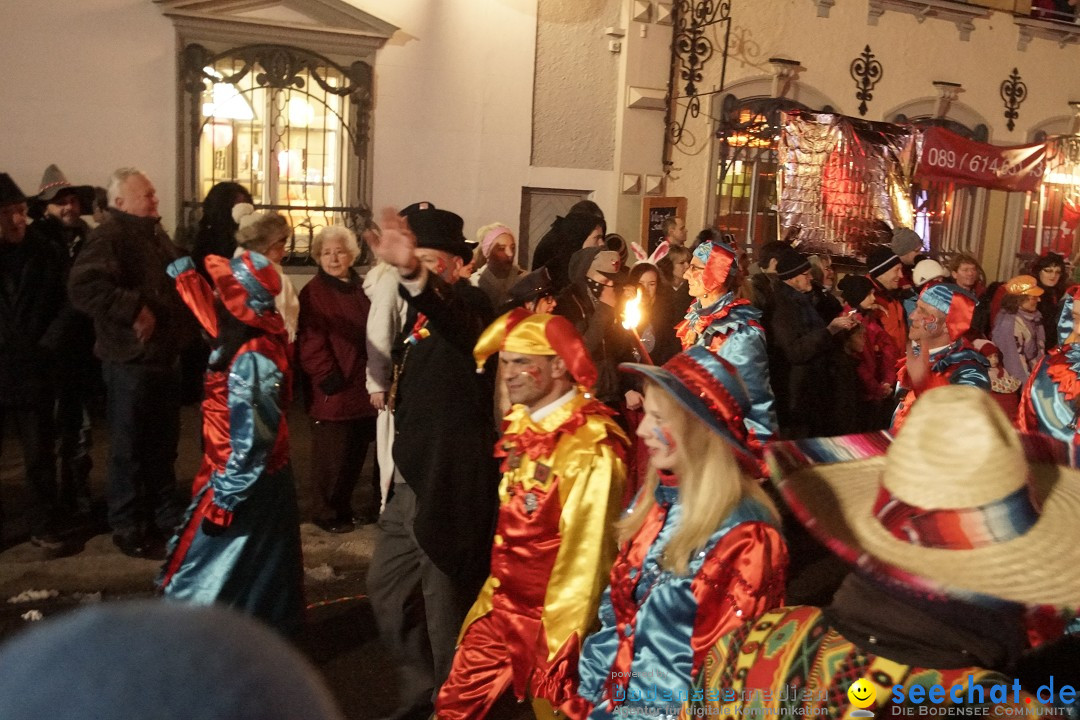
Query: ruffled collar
(538, 439)
(667, 489)
(1063, 367)
(698, 319)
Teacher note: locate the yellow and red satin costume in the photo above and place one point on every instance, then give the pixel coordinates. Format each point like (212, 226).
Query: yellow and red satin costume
(560, 494)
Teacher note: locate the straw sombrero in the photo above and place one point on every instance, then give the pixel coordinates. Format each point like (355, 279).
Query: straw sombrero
(958, 503)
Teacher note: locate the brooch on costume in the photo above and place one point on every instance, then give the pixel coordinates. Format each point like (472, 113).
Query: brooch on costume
(531, 503)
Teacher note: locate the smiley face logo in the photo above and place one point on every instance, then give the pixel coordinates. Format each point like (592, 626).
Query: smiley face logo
(861, 693)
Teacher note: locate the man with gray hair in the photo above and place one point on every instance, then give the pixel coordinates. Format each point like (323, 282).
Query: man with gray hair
(141, 324)
(674, 231)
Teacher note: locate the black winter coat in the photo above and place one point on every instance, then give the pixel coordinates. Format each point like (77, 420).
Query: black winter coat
(445, 429)
(31, 295)
(606, 340)
(71, 337)
(801, 354)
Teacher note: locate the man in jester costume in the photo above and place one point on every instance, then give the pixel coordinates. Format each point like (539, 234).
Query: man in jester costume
(1050, 401)
(731, 328)
(937, 353)
(564, 465)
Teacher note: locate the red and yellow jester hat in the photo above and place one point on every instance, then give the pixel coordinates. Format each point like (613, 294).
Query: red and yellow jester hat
(520, 331)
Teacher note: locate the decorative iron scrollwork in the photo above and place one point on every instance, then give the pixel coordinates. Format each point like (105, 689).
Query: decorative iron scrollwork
(867, 72)
(276, 66)
(691, 49)
(1013, 92)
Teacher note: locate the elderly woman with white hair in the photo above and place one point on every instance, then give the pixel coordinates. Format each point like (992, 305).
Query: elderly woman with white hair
(332, 349)
(496, 272)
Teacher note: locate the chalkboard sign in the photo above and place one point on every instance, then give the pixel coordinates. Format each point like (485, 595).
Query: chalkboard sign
(654, 211)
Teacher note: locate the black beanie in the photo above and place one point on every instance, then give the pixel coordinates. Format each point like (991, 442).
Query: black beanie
(790, 264)
(577, 226)
(854, 289)
(881, 259)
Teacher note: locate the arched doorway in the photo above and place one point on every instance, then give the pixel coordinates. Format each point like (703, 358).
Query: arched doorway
(743, 197)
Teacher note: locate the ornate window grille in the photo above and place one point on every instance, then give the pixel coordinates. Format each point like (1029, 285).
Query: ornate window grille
(290, 125)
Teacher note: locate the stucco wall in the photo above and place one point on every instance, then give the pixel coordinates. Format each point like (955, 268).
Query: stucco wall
(89, 86)
(92, 86)
(453, 105)
(575, 90)
(912, 54)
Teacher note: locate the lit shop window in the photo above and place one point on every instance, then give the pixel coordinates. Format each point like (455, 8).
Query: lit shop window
(1052, 214)
(747, 134)
(289, 125)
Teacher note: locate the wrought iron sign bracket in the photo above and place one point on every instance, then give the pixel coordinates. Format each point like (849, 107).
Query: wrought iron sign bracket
(866, 72)
(1013, 92)
(692, 48)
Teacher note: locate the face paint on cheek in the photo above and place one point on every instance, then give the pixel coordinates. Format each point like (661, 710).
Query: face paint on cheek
(665, 438)
(440, 266)
(930, 326)
(668, 439)
(532, 372)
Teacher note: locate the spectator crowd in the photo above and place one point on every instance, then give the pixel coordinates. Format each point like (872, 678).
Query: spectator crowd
(572, 462)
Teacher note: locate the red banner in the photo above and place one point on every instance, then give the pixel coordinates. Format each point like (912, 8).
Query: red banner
(949, 157)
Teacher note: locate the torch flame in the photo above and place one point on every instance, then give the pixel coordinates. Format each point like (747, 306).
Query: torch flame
(632, 312)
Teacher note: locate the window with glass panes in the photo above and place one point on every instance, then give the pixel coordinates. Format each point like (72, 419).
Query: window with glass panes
(289, 125)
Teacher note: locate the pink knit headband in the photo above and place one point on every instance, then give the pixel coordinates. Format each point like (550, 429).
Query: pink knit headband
(492, 234)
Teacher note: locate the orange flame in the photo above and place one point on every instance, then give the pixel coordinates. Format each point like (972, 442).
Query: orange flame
(632, 312)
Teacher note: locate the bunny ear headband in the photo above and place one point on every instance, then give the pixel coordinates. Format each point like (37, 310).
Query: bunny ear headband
(657, 255)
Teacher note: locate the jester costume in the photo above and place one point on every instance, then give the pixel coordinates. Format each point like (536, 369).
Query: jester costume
(1050, 401)
(656, 626)
(732, 329)
(957, 363)
(563, 472)
(239, 544)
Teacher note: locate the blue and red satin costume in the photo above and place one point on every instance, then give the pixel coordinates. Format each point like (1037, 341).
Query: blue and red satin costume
(244, 482)
(656, 627)
(1050, 401)
(955, 364)
(732, 329)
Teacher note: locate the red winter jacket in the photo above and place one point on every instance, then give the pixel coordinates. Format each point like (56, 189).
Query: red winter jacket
(880, 356)
(331, 347)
